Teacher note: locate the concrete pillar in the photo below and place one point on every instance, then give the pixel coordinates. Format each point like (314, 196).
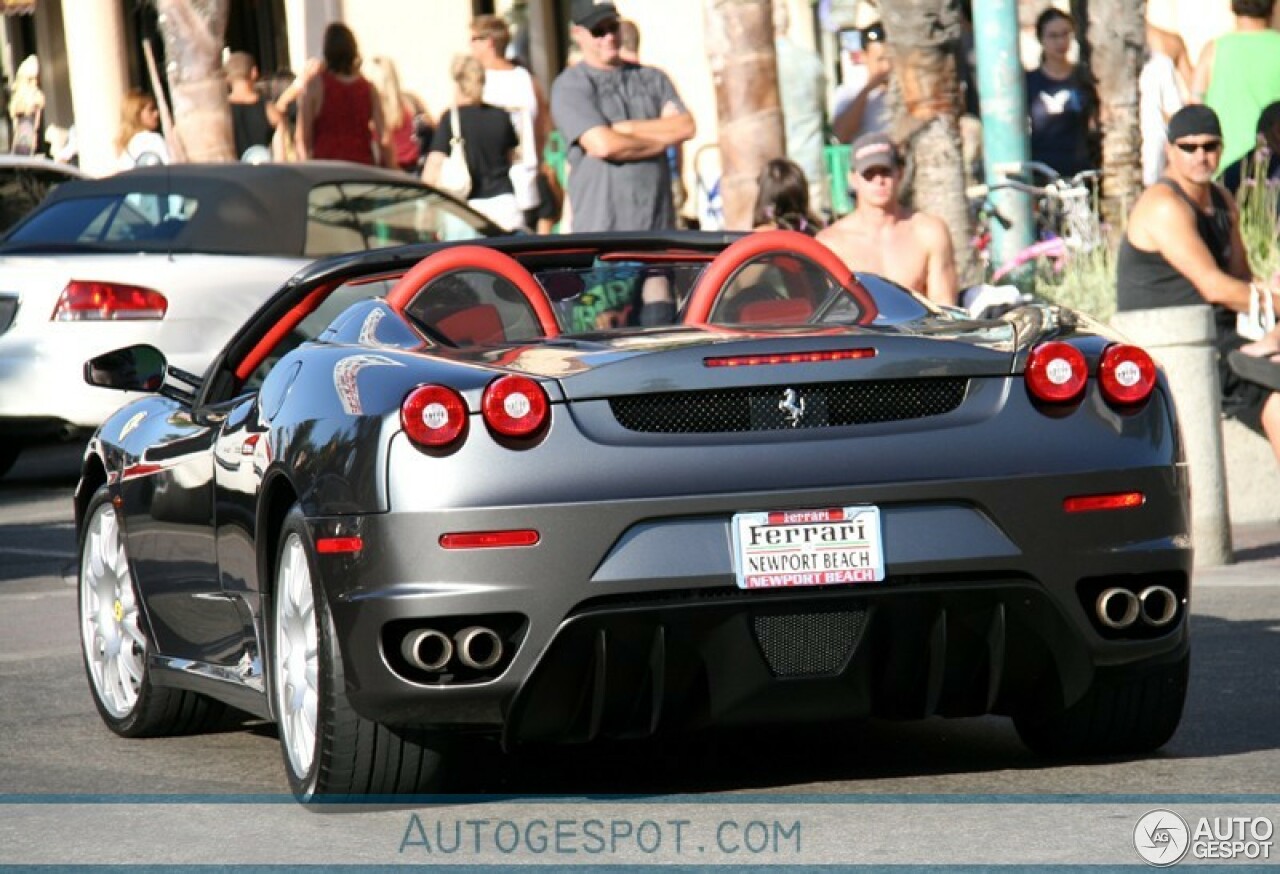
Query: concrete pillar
(99, 78)
(1180, 339)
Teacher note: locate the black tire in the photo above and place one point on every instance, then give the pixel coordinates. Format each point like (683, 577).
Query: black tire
(1126, 712)
(132, 706)
(9, 453)
(349, 755)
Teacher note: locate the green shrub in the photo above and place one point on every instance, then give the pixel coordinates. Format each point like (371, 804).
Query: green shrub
(1087, 283)
(1258, 199)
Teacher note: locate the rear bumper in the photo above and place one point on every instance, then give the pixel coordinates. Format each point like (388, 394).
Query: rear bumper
(959, 649)
(627, 620)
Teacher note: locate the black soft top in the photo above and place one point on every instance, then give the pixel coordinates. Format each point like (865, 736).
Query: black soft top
(251, 209)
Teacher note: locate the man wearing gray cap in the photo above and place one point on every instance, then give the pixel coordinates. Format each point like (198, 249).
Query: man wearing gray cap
(1182, 247)
(882, 236)
(618, 119)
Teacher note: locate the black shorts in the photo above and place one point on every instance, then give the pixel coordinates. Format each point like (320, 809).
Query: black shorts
(1241, 400)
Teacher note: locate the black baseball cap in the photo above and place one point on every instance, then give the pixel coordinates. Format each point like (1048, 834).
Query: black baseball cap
(1195, 119)
(588, 13)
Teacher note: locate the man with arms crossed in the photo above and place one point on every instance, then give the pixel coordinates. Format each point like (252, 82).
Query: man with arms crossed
(618, 119)
(882, 236)
(1182, 247)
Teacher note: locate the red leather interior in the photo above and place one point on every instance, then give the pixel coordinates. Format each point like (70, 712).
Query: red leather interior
(784, 311)
(475, 324)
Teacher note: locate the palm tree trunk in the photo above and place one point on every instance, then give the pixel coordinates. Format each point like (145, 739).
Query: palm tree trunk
(194, 31)
(739, 35)
(1117, 37)
(925, 36)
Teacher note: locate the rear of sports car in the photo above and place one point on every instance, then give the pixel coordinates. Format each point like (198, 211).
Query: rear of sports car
(669, 530)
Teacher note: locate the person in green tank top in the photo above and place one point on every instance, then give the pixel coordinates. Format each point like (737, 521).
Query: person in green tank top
(1238, 74)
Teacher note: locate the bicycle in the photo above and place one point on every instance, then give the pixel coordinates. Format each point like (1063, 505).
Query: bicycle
(1065, 210)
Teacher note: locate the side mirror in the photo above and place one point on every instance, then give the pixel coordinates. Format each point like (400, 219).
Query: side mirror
(133, 368)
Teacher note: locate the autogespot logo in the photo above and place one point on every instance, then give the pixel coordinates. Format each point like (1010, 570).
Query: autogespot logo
(1161, 838)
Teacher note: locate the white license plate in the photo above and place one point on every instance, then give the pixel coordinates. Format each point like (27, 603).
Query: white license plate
(808, 547)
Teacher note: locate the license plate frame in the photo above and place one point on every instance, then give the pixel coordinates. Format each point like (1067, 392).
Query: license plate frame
(775, 549)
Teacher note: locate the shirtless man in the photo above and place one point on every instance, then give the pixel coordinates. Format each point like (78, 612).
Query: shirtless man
(881, 236)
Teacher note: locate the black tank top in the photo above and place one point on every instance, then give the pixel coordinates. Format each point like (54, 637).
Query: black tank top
(1145, 280)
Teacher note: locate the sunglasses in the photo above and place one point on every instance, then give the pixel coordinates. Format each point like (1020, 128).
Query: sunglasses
(605, 28)
(1210, 148)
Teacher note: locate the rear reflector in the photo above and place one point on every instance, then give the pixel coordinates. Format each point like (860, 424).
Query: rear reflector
(1090, 503)
(790, 358)
(336, 545)
(85, 301)
(490, 539)
(1056, 373)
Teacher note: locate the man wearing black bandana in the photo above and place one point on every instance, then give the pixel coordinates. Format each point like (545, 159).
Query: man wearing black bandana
(1183, 247)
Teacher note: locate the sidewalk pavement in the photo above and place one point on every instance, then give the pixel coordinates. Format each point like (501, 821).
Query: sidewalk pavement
(1257, 558)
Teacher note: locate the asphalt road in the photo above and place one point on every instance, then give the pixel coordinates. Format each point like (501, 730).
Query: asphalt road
(53, 744)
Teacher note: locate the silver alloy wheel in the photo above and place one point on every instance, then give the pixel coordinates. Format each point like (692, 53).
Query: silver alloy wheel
(296, 666)
(114, 646)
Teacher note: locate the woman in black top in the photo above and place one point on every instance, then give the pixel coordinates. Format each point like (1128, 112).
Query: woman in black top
(489, 140)
(1060, 100)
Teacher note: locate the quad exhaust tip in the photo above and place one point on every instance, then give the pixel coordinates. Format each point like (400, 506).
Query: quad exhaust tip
(427, 650)
(475, 647)
(478, 648)
(1159, 606)
(1118, 608)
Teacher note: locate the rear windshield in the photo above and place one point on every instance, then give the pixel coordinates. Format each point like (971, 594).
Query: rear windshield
(137, 218)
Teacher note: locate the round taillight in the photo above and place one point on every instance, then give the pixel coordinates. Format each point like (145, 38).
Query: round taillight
(434, 416)
(515, 406)
(1056, 373)
(1126, 374)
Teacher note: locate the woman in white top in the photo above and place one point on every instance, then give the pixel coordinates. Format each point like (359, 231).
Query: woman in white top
(511, 87)
(139, 141)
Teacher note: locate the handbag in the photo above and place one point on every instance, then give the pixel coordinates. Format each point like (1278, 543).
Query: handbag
(1260, 320)
(455, 177)
(524, 184)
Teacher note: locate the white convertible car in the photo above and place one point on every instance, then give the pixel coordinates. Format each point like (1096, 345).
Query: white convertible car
(178, 257)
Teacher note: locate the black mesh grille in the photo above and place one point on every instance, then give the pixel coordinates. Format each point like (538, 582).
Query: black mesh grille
(771, 408)
(8, 309)
(807, 644)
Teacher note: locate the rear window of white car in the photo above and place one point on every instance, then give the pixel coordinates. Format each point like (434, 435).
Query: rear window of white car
(127, 218)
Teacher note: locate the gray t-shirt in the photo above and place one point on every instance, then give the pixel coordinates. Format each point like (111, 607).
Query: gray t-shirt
(614, 195)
